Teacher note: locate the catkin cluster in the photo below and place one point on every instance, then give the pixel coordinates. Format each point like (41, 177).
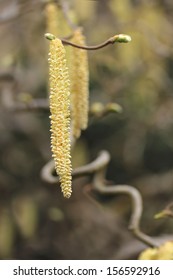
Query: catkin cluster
(65, 91)
(60, 114)
(79, 76)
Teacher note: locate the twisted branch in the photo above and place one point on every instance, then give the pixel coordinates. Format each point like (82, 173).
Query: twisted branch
(98, 167)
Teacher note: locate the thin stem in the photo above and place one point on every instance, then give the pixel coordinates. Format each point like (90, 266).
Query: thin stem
(102, 45)
(121, 38)
(167, 212)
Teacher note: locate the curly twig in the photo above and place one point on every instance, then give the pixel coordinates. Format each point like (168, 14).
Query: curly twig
(48, 169)
(99, 186)
(98, 167)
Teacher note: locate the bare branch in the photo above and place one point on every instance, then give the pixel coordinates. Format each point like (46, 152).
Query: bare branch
(134, 194)
(98, 167)
(121, 38)
(48, 169)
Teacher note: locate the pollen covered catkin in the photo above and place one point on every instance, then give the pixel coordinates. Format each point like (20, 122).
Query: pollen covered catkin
(60, 114)
(79, 76)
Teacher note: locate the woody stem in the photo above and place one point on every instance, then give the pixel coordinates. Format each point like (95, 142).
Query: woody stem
(121, 38)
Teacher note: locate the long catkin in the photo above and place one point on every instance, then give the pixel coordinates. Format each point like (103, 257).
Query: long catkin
(79, 76)
(52, 18)
(60, 114)
(55, 20)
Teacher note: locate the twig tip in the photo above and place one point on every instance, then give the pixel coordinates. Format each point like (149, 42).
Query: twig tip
(121, 38)
(49, 36)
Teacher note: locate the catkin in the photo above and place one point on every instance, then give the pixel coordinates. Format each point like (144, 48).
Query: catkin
(79, 76)
(60, 114)
(52, 18)
(55, 21)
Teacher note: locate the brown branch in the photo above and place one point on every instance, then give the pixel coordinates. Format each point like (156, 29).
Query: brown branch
(121, 38)
(102, 45)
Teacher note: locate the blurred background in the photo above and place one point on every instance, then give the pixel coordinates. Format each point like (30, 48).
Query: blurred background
(36, 222)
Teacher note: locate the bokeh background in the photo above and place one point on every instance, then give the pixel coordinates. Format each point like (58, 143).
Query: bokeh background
(36, 222)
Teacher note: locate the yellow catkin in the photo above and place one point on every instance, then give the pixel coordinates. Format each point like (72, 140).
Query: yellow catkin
(60, 114)
(55, 21)
(52, 18)
(79, 75)
(164, 252)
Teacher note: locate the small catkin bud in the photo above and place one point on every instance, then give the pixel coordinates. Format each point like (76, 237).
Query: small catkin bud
(60, 114)
(79, 75)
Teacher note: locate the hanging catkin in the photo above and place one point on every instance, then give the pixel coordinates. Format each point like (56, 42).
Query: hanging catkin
(55, 21)
(60, 114)
(79, 76)
(52, 18)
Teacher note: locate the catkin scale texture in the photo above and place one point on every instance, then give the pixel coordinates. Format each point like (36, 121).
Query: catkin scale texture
(60, 114)
(79, 76)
